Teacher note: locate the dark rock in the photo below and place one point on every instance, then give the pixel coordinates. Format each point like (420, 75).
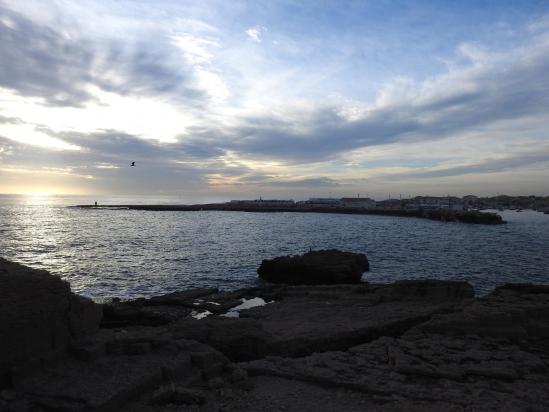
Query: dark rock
(183, 298)
(238, 339)
(307, 319)
(215, 383)
(431, 289)
(178, 395)
(487, 354)
(310, 319)
(514, 312)
(313, 268)
(413, 345)
(123, 314)
(239, 375)
(39, 317)
(128, 374)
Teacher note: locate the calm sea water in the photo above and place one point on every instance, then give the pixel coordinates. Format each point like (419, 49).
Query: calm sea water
(139, 253)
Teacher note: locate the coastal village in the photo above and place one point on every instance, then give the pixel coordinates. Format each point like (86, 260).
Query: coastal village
(469, 202)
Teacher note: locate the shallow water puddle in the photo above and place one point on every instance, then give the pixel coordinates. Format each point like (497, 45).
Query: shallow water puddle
(246, 304)
(200, 315)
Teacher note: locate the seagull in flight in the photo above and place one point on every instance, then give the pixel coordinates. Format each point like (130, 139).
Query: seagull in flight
(133, 164)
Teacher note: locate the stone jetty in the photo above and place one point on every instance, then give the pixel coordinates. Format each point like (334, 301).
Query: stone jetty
(422, 345)
(442, 215)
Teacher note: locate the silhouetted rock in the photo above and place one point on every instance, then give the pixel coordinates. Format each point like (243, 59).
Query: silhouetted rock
(514, 312)
(306, 319)
(39, 317)
(315, 268)
(238, 339)
(421, 345)
(432, 290)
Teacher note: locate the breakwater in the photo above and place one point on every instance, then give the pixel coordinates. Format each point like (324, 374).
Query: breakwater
(475, 217)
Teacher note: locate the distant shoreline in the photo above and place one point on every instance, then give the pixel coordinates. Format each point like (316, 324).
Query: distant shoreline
(474, 217)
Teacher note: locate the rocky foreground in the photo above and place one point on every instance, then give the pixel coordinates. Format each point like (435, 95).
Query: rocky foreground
(406, 346)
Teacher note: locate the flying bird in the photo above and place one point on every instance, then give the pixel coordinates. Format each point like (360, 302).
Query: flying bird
(133, 164)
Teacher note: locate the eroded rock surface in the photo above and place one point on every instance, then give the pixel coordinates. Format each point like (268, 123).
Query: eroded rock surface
(127, 370)
(39, 318)
(489, 354)
(407, 346)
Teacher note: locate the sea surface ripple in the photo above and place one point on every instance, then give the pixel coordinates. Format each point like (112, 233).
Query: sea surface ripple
(130, 253)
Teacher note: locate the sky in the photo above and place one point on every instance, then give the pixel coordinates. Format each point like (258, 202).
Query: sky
(286, 99)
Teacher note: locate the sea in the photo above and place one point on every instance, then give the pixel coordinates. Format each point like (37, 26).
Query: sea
(128, 253)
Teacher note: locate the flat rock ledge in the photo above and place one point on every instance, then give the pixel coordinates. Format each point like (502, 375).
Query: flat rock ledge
(408, 346)
(315, 268)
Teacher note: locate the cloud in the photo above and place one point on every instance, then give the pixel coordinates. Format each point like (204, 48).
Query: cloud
(510, 162)
(195, 105)
(40, 61)
(104, 164)
(491, 88)
(25, 133)
(10, 120)
(37, 61)
(255, 33)
(309, 183)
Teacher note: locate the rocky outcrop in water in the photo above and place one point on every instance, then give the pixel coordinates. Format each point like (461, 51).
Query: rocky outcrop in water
(408, 346)
(315, 268)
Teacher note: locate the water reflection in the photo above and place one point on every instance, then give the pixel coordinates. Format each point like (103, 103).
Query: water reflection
(138, 253)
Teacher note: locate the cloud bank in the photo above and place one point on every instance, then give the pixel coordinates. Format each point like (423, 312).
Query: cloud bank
(203, 106)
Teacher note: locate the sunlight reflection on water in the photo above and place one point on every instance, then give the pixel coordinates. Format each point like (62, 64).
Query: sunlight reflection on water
(130, 253)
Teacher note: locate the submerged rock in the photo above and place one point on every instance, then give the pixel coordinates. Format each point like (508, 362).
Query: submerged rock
(315, 268)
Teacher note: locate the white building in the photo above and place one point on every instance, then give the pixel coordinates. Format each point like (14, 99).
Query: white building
(434, 203)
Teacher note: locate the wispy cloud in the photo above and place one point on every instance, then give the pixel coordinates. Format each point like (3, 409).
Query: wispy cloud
(510, 162)
(256, 33)
(62, 69)
(207, 97)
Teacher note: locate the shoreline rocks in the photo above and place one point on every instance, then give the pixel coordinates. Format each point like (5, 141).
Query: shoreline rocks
(39, 318)
(315, 268)
(407, 346)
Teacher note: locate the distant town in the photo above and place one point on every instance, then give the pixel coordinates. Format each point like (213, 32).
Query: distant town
(470, 202)
(466, 209)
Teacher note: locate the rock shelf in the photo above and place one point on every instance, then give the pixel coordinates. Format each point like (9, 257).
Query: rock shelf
(408, 346)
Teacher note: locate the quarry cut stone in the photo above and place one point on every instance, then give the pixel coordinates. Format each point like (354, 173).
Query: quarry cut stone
(315, 268)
